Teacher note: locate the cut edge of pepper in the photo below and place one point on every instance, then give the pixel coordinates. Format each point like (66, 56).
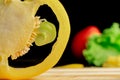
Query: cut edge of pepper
(56, 52)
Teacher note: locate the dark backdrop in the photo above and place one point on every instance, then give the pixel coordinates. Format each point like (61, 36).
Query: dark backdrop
(88, 12)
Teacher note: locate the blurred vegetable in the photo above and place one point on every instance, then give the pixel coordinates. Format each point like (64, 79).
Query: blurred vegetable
(72, 66)
(100, 47)
(112, 61)
(81, 38)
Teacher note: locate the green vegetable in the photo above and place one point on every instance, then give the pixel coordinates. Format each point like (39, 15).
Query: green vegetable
(100, 47)
(46, 33)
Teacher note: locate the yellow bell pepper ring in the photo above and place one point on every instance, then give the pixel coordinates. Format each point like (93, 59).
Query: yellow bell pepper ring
(17, 24)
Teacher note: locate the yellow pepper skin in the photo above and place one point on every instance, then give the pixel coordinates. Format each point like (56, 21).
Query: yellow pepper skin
(17, 19)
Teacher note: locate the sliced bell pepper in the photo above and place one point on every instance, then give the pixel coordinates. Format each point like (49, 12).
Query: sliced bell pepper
(16, 27)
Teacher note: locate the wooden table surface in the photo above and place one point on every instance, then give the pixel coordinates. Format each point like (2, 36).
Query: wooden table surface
(80, 74)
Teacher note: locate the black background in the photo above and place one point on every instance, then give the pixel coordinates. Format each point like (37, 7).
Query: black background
(81, 14)
(88, 12)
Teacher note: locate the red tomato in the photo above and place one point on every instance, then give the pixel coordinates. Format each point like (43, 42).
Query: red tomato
(81, 38)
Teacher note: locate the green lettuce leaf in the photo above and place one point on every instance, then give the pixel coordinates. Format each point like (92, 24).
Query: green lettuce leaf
(100, 47)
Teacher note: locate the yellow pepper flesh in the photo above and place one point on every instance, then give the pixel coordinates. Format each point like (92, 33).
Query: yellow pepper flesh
(8, 72)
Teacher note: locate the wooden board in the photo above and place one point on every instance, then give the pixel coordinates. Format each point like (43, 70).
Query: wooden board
(80, 74)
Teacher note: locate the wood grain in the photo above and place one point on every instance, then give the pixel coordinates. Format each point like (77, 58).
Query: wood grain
(80, 74)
